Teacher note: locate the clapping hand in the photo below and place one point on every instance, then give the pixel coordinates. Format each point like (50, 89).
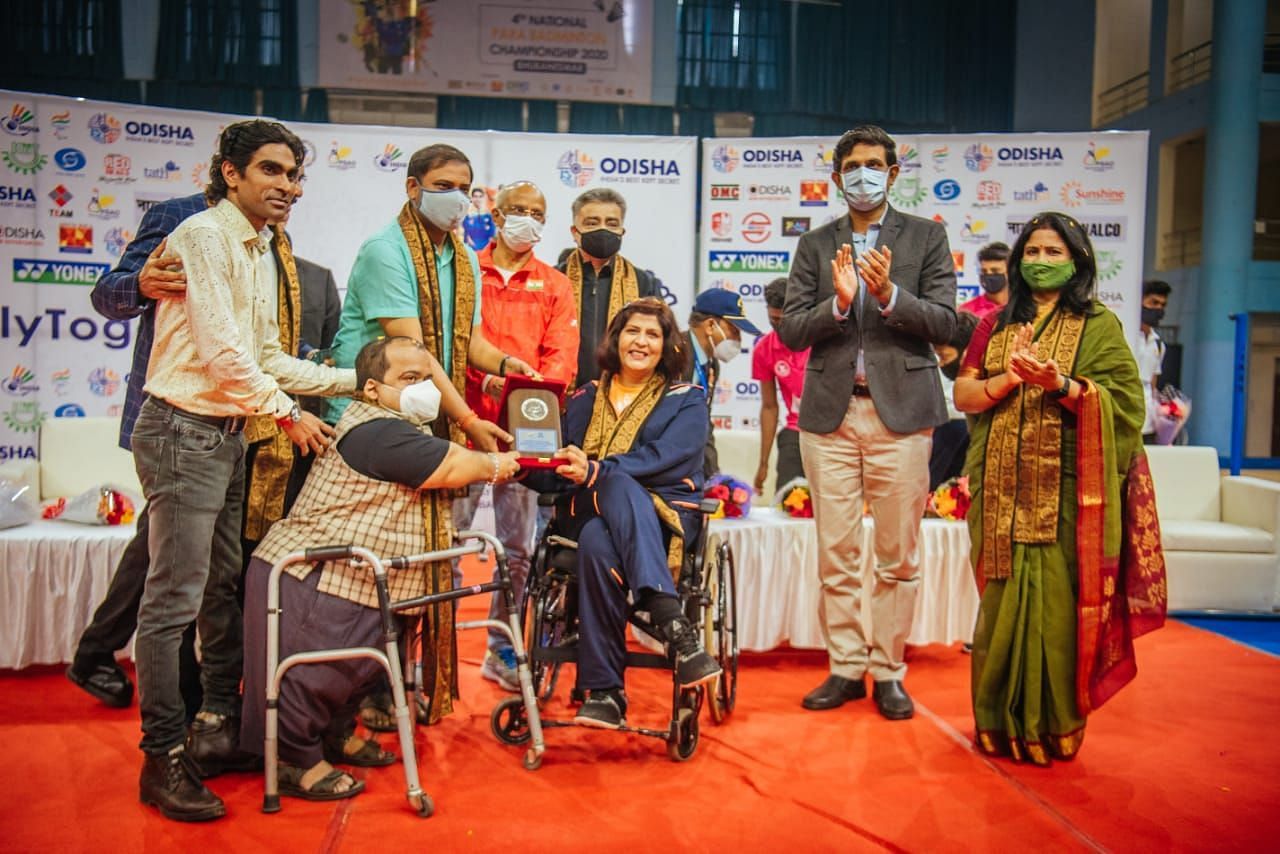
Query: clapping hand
(1025, 364)
(844, 279)
(874, 265)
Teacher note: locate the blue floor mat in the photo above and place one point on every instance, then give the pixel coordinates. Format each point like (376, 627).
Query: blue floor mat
(1259, 632)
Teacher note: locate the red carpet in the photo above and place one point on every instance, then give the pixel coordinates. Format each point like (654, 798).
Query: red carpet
(1180, 760)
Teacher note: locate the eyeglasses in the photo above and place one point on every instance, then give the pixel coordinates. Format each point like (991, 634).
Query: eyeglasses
(515, 210)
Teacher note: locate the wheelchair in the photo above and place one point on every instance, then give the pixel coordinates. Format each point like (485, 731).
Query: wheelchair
(706, 589)
(398, 633)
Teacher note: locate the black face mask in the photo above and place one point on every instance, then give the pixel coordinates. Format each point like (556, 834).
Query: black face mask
(994, 283)
(1152, 316)
(601, 242)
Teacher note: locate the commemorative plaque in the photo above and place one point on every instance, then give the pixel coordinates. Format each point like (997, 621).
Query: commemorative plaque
(530, 412)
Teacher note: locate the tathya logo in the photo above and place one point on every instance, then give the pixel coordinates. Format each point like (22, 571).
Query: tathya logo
(24, 417)
(24, 158)
(576, 168)
(389, 40)
(1109, 265)
(60, 121)
(20, 121)
(388, 160)
(908, 191)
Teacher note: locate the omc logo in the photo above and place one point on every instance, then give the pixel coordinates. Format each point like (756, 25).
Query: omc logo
(724, 158)
(576, 168)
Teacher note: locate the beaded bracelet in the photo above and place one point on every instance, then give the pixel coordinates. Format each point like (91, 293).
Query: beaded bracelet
(494, 458)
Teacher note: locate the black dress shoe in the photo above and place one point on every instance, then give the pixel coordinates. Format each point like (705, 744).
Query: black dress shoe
(215, 748)
(170, 781)
(106, 682)
(834, 693)
(892, 700)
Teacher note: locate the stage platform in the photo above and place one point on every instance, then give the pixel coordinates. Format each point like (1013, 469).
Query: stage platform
(1174, 763)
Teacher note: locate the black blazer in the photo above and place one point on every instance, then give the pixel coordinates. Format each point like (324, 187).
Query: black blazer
(900, 365)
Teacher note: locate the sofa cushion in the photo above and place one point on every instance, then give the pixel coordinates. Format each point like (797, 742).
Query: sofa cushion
(1185, 535)
(1187, 481)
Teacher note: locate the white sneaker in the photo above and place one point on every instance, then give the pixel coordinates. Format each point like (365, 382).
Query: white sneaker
(500, 666)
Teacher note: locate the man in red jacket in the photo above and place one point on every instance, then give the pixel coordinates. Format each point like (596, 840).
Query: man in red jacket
(527, 310)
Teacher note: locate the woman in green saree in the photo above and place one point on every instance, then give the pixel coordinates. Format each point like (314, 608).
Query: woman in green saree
(1065, 541)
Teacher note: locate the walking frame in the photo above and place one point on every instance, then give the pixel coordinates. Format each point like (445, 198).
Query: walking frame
(399, 676)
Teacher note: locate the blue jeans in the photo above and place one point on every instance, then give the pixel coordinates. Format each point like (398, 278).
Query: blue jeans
(515, 512)
(192, 474)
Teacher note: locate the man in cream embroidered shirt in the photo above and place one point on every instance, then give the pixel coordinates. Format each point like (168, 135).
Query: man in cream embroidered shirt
(218, 351)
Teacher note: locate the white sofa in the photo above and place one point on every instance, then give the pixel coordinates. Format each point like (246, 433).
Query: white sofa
(76, 454)
(1219, 532)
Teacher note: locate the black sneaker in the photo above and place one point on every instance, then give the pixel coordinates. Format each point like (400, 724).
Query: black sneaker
(693, 665)
(104, 681)
(603, 710)
(171, 782)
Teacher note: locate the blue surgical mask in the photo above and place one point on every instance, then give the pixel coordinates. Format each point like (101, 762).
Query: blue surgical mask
(443, 208)
(864, 187)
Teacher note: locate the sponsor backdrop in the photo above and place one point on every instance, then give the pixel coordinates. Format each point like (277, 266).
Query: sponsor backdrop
(759, 195)
(585, 50)
(77, 176)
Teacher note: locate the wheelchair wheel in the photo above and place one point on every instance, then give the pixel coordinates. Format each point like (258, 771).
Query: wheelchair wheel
(682, 743)
(544, 623)
(720, 628)
(508, 721)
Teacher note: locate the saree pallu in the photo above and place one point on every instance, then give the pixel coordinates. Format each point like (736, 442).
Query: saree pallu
(1053, 636)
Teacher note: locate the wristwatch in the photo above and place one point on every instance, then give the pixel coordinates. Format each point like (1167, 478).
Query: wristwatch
(1060, 393)
(294, 416)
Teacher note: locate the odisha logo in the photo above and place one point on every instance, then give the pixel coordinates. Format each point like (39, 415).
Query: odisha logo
(724, 158)
(20, 121)
(103, 382)
(388, 160)
(773, 157)
(151, 130)
(104, 128)
(977, 157)
(1031, 154)
(638, 166)
(576, 168)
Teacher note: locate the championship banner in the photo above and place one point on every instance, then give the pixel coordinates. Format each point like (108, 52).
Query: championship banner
(77, 176)
(583, 50)
(759, 195)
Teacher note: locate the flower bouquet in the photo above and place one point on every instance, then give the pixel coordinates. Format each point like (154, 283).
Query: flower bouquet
(794, 498)
(734, 496)
(101, 505)
(950, 500)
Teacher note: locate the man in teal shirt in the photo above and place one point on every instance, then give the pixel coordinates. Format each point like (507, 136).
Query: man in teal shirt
(407, 281)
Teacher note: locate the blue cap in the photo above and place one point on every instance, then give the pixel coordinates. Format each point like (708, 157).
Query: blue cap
(719, 302)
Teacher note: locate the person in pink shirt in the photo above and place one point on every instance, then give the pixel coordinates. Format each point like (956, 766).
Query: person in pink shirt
(778, 369)
(993, 266)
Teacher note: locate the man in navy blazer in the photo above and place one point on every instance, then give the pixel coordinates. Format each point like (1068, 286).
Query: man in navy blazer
(867, 294)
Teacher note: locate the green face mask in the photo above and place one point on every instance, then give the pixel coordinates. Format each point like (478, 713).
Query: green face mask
(1047, 277)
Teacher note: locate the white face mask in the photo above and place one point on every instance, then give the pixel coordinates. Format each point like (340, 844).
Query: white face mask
(520, 233)
(864, 187)
(443, 208)
(727, 349)
(420, 402)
